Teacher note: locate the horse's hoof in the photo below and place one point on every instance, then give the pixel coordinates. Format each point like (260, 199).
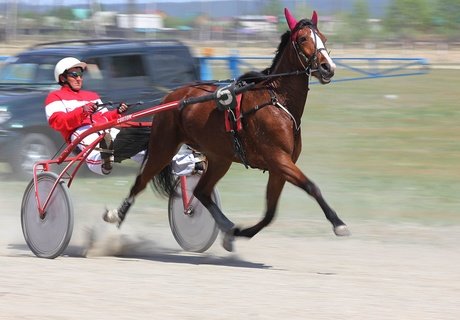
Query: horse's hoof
(342, 231)
(227, 242)
(111, 216)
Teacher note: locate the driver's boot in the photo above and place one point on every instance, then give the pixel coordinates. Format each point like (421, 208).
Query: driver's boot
(106, 145)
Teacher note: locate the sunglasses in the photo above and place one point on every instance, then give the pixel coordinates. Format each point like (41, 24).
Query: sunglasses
(75, 74)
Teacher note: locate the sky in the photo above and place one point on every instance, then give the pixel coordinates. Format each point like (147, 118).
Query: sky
(49, 2)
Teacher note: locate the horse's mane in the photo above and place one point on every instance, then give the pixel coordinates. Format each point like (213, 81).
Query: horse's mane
(253, 76)
(257, 76)
(285, 38)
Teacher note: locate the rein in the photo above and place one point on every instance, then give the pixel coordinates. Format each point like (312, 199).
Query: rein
(266, 77)
(307, 64)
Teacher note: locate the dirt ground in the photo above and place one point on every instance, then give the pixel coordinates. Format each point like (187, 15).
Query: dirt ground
(383, 271)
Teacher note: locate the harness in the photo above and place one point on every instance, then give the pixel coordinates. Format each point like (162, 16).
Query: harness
(234, 121)
(233, 117)
(229, 101)
(273, 102)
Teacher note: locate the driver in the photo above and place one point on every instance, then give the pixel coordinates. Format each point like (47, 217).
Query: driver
(71, 111)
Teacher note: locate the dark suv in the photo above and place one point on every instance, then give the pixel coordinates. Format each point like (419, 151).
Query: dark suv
(119, 70)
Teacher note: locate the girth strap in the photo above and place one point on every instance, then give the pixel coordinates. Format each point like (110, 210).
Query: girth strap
(239, 148)
(233, 125)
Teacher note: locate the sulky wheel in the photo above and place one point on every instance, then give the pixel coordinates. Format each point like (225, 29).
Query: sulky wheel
(194, 230)
(48, 236)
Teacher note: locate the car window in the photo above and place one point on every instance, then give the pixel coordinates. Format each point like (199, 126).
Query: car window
(45, 73)
(94, 75)
(127, 66)
(127, 71)
(171, 67)
(29, 69)
(18, 73)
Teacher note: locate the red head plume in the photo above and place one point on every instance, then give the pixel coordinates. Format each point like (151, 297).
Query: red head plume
(292, 22)
(314, 18)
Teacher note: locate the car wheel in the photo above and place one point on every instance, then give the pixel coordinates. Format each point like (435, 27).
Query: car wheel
(32, 148)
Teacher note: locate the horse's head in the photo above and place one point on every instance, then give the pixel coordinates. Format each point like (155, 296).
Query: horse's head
(310, 45)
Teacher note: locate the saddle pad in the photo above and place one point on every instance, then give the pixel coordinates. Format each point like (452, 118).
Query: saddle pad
(230, 123)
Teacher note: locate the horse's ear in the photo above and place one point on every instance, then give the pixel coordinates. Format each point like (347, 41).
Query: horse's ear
(314, 18)
(291, 21)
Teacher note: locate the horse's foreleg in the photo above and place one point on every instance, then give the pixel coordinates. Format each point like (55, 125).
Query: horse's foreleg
(203, 190)
(339, 227)
(274, 187)
(224, 224)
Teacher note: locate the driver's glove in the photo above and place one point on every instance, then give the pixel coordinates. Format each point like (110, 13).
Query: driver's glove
(122, 107)
(89, 108)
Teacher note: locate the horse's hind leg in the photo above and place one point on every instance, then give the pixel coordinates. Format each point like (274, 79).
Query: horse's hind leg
(118, 215)
(150, 169)
(156, 161)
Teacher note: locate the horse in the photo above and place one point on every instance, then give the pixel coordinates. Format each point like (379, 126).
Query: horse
(269, 138)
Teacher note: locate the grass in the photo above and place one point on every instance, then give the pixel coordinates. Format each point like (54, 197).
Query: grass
(387, 148)
(380, 150)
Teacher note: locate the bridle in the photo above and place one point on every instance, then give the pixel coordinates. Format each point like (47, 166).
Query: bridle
(309, 64)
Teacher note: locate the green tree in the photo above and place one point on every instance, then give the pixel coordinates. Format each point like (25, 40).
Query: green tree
(176, 22)
(446, 17)
(273, 8)
(359, 21)
(63, 13)
(408, 18)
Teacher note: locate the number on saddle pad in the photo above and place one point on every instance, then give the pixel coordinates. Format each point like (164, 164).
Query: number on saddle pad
(226, 98)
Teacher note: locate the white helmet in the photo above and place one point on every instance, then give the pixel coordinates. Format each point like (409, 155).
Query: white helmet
(66, 64)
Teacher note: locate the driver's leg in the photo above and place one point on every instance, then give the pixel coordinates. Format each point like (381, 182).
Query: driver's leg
(94, 161)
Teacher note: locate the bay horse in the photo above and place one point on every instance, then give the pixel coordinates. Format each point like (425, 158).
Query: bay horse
(269, 140)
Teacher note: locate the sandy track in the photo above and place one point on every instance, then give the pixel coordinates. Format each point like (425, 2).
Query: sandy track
(381, 272)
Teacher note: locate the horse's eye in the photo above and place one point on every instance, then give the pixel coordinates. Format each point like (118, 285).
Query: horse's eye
(302, 39)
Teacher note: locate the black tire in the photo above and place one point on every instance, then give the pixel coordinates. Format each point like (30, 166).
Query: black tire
(195, 232)
(33, 147)
(47, 237)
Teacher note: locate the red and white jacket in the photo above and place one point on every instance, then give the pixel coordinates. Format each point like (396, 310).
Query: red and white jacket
(64, 110)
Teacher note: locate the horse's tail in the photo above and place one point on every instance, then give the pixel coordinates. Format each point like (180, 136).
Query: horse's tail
(165, 182)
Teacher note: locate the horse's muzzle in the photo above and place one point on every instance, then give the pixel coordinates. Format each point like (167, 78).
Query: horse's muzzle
(326, 72)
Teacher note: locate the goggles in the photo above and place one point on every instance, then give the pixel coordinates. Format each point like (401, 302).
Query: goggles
(75, 74)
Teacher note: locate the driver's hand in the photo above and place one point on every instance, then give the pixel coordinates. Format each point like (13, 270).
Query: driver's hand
(122, 107)
(89, 108)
